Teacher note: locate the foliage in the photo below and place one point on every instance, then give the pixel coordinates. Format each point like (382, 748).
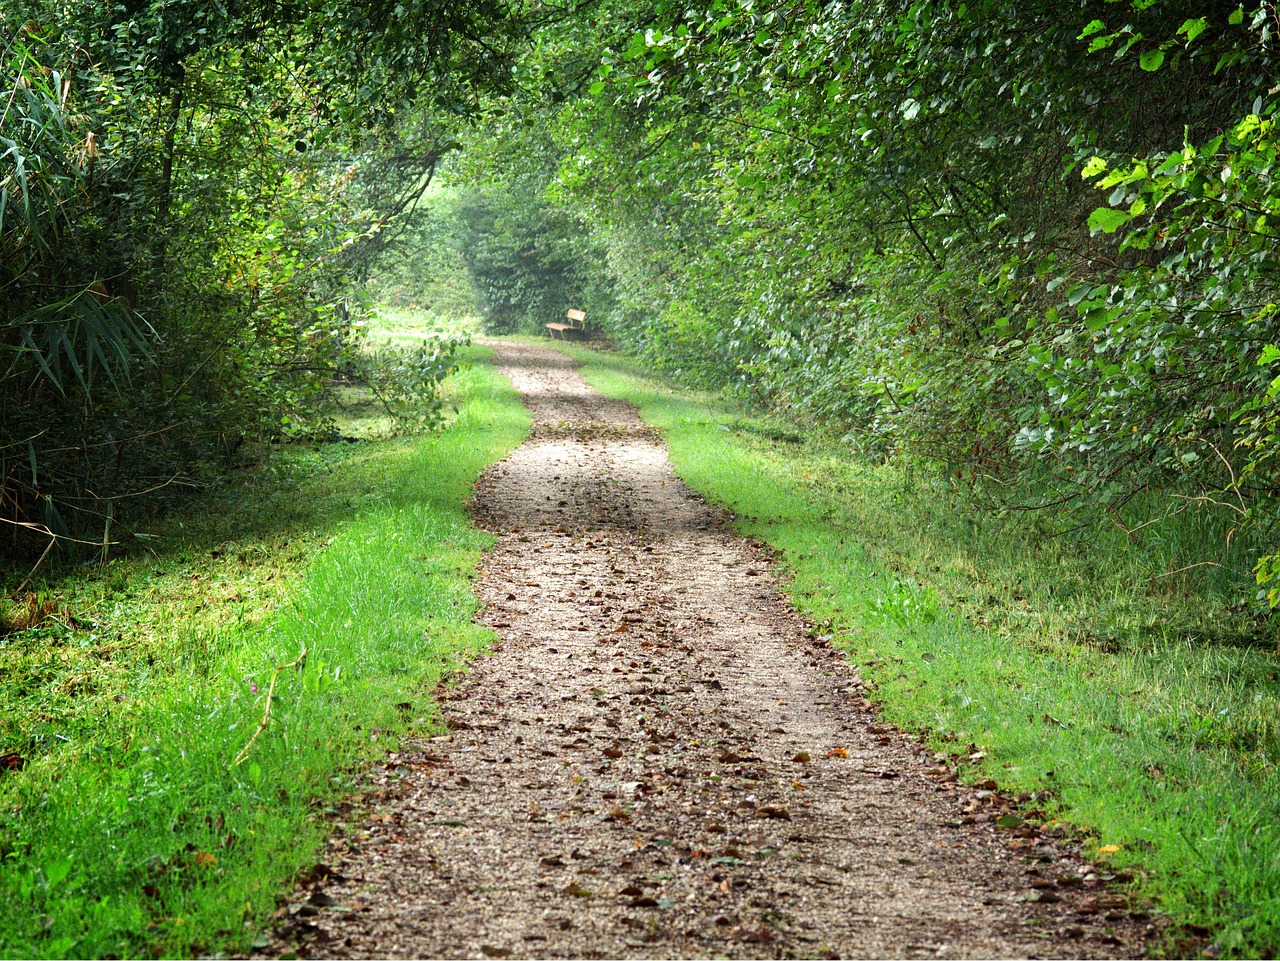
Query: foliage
(872, 215)
(406, 380)
(190, 196)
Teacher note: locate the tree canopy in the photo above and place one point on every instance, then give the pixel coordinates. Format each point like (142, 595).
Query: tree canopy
(1030, 245)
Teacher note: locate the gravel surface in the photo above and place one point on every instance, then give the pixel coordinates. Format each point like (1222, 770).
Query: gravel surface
(660, 761)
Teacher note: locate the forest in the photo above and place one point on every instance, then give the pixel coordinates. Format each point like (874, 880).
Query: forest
(1018, 262)
(1026, 246)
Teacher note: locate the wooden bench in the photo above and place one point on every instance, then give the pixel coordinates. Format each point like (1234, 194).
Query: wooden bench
(575, 329)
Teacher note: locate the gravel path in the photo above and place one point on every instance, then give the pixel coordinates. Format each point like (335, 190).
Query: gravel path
(660, 761)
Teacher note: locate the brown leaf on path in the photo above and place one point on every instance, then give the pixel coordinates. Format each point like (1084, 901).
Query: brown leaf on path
(490, 951)
(802, 757)
(612, 752)
(837, 752)
(778, 812)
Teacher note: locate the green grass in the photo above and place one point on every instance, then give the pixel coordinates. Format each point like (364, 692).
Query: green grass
(130, 831)
(407, 327)
(1148, 709)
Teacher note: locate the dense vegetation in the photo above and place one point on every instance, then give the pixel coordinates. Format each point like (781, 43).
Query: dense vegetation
(190, 198)
(1031, 246)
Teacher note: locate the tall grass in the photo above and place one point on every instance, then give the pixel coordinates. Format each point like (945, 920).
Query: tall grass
(1149, 710)
(131, 831)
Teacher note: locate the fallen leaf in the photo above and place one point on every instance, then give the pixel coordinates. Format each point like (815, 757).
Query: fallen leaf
(612, 752)
(1008, 821)
(12, 762)
(760, 935)
(489, 951)
(204, 859)
(631, 891)
(837, 752)
(802, 758)
(1042, 897)
(776, 811)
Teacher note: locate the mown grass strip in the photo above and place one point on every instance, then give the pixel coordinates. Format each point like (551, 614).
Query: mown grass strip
(134, 833)
(1161, 749)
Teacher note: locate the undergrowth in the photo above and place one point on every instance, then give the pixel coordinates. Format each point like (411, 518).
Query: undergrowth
(1146, 703)
(129, 688)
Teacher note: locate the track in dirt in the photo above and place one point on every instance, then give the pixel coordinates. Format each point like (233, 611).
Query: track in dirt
(659, 761)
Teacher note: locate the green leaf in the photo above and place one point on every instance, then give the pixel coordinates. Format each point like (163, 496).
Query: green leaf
(1151, 60)
(1091, 28)
(1094, 166)
(1107, 220)
(596, 87)
(1270, 354)
(1237, 16)
(1193, 28)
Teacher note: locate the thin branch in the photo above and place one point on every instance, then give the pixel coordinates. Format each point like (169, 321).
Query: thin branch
(266, 714)
(1187, 568)
(32, 572)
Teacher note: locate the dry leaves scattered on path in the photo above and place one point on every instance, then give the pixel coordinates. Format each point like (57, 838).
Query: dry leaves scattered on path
(660, 761)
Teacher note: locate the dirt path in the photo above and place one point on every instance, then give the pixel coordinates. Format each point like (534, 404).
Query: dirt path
(659, 762)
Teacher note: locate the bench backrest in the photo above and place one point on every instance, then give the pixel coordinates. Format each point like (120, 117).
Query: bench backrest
(577, 318)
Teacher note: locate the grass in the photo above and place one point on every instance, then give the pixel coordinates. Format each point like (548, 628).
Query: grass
(1147, 707)
(129, 829)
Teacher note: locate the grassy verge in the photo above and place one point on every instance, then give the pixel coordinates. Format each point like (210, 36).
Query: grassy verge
(129, 829)
(1148, 710)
